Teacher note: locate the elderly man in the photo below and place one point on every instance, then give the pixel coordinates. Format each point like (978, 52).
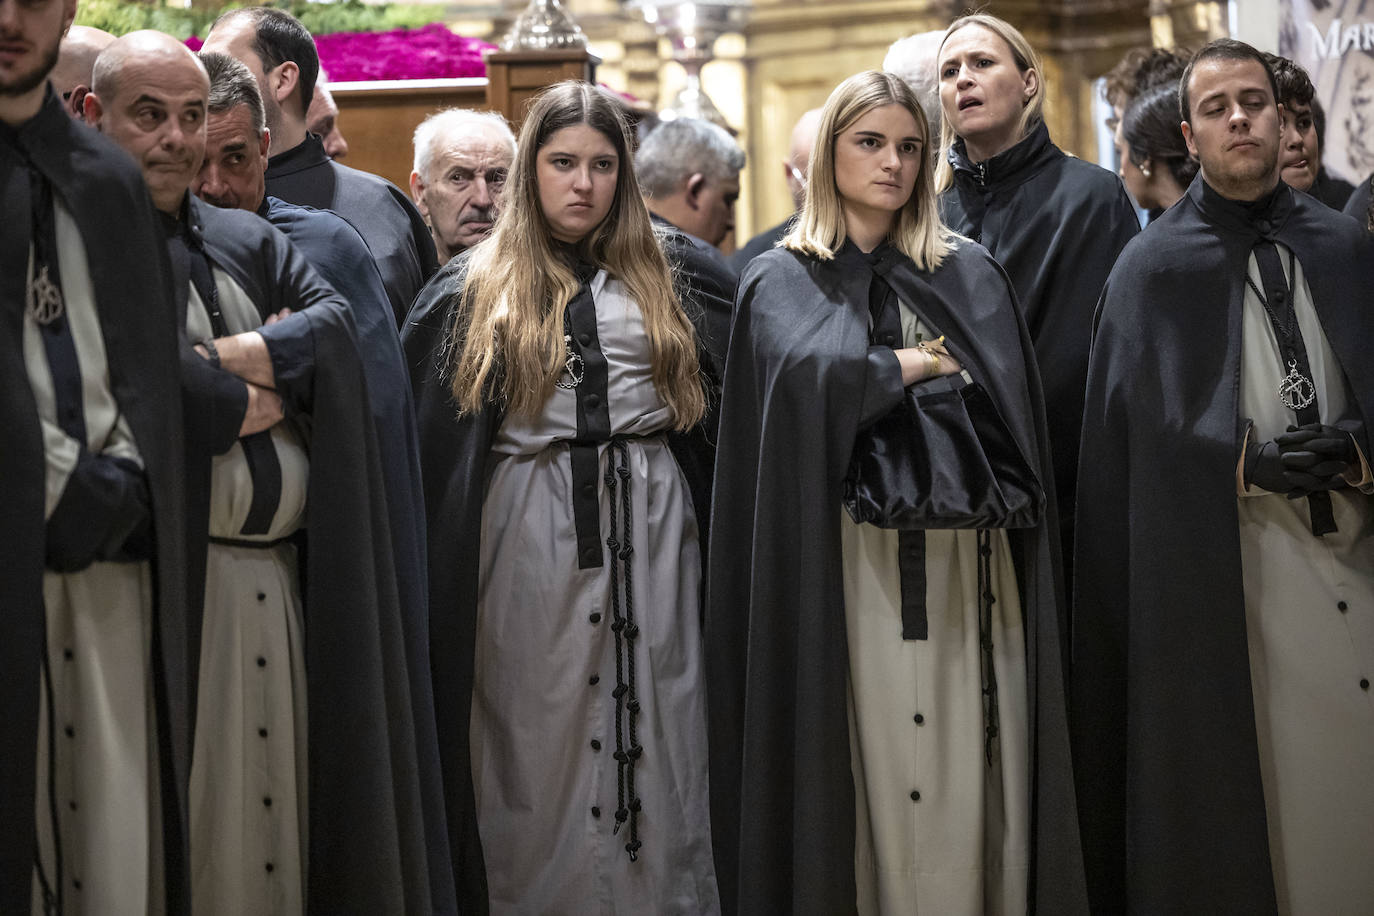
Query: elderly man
(298, 726)
(282, 56)
(322, 120)
(689, 174)
(72, 75)
(462, 158)
(92, 525)
(914, 60)
(1223, 637)
(794, 173)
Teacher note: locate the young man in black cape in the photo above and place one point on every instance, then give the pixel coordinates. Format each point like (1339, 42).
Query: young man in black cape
(279, 50)
(1223, 635)
(799, 384)
(297, 526)
(94, 494)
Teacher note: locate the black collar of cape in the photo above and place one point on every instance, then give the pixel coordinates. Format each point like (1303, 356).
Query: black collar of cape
(794, 391)
(307, 154)
(1162, 392)
(102, 190)
(453, 463)
(1011, 166)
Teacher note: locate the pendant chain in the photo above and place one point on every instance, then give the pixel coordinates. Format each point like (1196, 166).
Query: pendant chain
(1296, 390)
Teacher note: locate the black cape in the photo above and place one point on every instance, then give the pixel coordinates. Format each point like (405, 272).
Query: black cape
(1056, 225)
(104, 192)
(1330, 190)
(800, 379)
(367, 824)
(764, 241)
(341, 257)
(453, 458)
(1358, 204)
(383, 215)
(1163, 717)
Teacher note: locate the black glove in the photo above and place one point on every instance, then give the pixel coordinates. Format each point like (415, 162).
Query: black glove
(104, 514)
(1264, 468)
(1316, 455)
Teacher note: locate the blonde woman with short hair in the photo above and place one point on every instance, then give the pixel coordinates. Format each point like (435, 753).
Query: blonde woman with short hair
(885, 704)
(560, 399)
(1056, 224)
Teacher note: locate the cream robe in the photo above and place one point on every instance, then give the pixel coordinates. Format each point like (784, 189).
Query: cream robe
(940, 832)
(99, 631)
(1309, 608)
(248, 767)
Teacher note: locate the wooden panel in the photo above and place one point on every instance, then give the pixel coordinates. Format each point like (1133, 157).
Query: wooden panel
(516, 77)
(379, 118)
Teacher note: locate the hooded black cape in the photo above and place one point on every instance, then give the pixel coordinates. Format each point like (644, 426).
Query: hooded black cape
(367, 822)
(1163, 717)
(1056, 225)
(383, 215)
(799, 378)
(103, 191)
(453, 459)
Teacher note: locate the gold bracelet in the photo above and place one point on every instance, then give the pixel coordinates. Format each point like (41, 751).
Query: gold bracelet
(934, 363)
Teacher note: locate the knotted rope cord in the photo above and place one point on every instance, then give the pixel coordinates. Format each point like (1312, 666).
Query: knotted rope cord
(986, 599)
(623, 625)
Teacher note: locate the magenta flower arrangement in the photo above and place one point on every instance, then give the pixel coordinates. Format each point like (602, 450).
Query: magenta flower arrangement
(431, 52)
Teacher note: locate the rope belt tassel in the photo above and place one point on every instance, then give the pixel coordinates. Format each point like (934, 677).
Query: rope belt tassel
(620, 541)
(986, 599)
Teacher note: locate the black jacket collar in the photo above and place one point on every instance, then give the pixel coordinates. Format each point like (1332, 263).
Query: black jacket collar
(1011, 166)
(306, 154)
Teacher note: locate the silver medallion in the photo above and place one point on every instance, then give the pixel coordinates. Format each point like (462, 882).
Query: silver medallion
(572, 367)
(43, 298)
(1296, 391)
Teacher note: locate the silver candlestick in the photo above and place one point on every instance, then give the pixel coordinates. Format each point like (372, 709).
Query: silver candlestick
(692, 29)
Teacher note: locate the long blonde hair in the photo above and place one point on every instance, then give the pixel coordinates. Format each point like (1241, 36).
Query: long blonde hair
(820, 230)
(506, 339)
(1025, 58)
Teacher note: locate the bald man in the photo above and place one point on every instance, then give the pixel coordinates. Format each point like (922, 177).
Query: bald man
(92, 524)
(71, 78)
(794, 173)
(303, 733)
(322, 120)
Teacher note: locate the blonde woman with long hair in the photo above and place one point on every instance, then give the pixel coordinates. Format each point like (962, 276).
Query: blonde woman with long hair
(874, 746)
(1056, 224)
(557, 379)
